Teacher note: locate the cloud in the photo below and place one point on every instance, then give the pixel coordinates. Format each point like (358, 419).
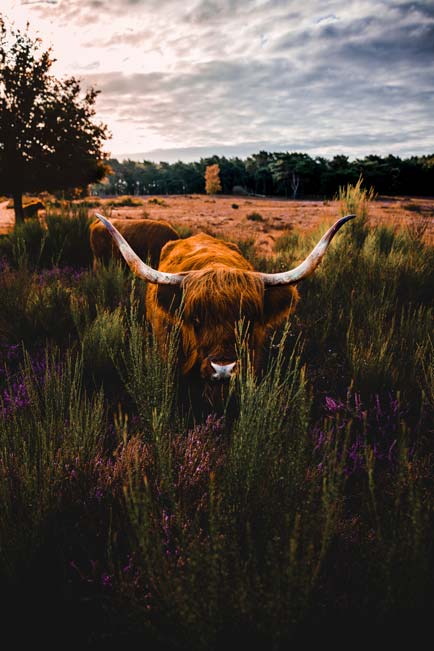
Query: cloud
(317, 75)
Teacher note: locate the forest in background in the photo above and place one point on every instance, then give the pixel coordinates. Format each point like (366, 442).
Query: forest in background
(293, 175)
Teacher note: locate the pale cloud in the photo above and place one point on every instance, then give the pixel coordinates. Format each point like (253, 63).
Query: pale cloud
(319, 76)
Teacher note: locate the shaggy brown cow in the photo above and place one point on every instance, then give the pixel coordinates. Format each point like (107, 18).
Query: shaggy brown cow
(146, 236)
(217, 286)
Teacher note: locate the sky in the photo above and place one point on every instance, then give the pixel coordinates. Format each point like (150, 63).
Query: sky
(185, 79)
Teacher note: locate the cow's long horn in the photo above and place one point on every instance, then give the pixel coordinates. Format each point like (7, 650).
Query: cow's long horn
(310, 263)
(137, 266)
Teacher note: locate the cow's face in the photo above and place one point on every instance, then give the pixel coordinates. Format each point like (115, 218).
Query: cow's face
(212, 304)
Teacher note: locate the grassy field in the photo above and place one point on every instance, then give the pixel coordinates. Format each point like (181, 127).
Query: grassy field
(305, 510)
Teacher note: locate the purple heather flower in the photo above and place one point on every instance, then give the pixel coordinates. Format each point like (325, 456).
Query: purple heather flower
(106, 580)
(374, 426)
(333, 405)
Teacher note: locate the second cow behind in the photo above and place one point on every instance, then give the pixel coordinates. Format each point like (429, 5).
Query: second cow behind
(146, 236)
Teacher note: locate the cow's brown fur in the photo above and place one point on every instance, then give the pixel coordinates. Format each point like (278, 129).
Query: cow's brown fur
(146, 236)
(226, 289)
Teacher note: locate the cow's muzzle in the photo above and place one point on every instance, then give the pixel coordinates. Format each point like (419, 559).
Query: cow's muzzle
(222, 372)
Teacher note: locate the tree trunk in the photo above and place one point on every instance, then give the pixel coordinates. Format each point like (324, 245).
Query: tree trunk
(18, 207)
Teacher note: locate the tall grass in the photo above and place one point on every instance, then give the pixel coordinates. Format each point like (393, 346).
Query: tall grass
(244, 555)
(305, 505)
(149, 377)
(368, 308)
(49, 430)
(63, 240)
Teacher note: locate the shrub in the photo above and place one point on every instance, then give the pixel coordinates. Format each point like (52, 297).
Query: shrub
(183, 231)
(63, 242)
(102, 341)
(67, 241)
(413, 207)
(46, 438)
(287, 241)
(150, 380)
(255, 217)
(240, 190)
(417, 228)
(126, 200)
(157, 201)
(34, 308)
(353, 199)
(92, 202)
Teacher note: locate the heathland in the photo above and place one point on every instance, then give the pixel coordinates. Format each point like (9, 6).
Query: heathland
(128, 515)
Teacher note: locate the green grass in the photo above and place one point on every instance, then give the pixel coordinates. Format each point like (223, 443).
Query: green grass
(63, 241)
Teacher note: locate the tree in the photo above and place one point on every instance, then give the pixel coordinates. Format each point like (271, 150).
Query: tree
(212, 179)
(48, 139)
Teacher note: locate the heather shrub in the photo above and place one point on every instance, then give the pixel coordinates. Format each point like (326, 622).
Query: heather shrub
(107, 287)
(402, 522)
(156, 201)
(126, 200)
(368, 311)
(49, 429)
(149, 379)
(102, 341)
(243, 533)
(35, 307)
(24, 247)
(92, 202)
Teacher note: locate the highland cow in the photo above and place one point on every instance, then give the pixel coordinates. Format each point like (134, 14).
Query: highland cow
(216, 287)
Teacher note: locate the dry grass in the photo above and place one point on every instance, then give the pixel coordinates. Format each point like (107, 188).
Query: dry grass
(198, 213)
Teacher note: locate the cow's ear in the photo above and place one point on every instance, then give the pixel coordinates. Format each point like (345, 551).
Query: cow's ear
(169, 297)
(279, 303)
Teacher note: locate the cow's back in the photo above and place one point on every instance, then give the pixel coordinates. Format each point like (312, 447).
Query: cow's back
(146, 237)
(201, 252)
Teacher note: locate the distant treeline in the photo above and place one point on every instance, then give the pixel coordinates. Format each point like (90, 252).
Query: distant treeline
(291, 175)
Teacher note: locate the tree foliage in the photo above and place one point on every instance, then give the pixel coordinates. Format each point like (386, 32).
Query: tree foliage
(290, 174)
(212, 179)
(48, 139)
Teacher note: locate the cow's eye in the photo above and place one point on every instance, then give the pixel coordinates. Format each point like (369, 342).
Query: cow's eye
(196, 323)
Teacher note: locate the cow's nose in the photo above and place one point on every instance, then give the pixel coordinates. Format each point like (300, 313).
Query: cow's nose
(222, 372)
